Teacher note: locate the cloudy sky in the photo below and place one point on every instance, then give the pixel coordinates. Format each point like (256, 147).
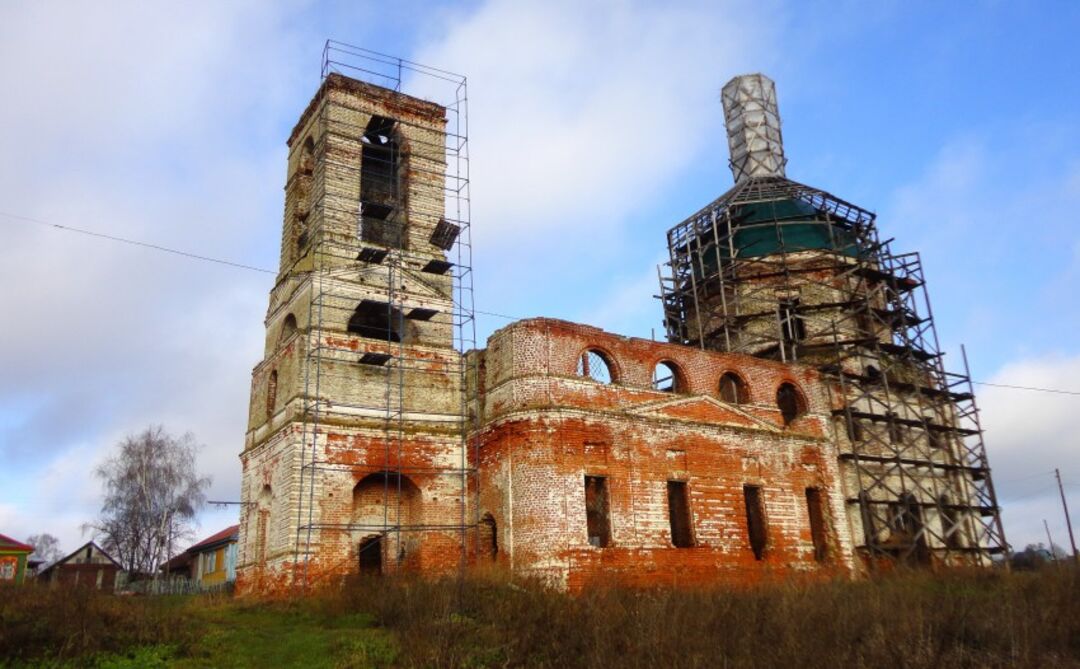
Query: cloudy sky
(594, 127)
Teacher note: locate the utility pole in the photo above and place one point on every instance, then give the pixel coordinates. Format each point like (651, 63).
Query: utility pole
(1053, 556)
(1065, 506)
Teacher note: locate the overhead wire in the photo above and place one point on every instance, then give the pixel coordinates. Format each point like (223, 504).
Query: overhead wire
(263, 270)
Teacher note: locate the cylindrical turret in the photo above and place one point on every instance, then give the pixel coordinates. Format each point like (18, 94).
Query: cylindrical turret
(753, 127)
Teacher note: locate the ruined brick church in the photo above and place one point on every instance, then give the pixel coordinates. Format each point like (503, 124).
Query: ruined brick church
(799, 419)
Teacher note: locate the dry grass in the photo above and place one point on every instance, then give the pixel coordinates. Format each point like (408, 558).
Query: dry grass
(39, 624)
(984, 619)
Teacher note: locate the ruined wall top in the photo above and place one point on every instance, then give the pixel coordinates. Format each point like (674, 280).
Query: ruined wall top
(753, 127)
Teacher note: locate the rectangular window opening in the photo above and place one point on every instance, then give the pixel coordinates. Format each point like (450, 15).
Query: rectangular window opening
(817, 524)
(597, 518)
(755, 520)
(682, 535)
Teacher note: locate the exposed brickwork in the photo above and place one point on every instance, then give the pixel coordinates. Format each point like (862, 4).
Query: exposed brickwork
(544, 428)
(323, 405)
(394, 462)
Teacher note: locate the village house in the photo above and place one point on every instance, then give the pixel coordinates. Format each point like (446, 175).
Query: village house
(208, 563)
(213, 560)
(14, 560)
(87, 566)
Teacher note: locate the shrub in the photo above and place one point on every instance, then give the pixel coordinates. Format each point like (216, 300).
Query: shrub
(59, 623)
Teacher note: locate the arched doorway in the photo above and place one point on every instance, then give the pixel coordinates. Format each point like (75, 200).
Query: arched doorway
(489, 538)
(387, 507)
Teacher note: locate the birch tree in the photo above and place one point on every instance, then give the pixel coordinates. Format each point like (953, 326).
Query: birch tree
(152, 493)
(46, 548)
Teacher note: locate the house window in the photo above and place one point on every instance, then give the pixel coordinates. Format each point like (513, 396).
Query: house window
(816, 511)
(595, 365)
(733, 389)
(679, 514)
(597, 520)
(790, 402)
(209, 562)
(755, 520)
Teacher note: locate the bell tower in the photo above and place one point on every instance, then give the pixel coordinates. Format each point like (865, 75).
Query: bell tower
(355, 455)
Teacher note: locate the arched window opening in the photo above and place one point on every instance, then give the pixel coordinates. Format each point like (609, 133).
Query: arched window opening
(950, 525)
(733, 389)
(815, 508)
(792, 326)
(934, 434)
(489, 537)
(790, 402)
(668, 378)
(307, 158)
(262, 531)
(377, 320)
(595, 365)
(288, 328)
(302, 237)
(907, 540)
(897, 433)
(380, 190)
(380, 156)
(756, 526)
(271, 394)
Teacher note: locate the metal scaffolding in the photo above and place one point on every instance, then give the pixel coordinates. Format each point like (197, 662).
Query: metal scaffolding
(349, 246)
(780, 270)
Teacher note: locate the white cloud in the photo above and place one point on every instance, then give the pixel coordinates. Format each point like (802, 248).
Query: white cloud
(155, 123)
(1028, 434)
(580, 113)
(581, 117)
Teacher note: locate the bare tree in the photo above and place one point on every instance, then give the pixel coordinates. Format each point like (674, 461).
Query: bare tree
(46, 548)
(152, 493)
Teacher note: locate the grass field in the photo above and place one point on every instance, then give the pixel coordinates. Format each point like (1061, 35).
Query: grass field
(986, 619)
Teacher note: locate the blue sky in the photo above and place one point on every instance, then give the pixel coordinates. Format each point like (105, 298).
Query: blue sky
(594, 127)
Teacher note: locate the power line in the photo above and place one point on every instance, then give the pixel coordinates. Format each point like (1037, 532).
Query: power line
(1035, 388)
(252, 268)
(186, 254)
(156, 247)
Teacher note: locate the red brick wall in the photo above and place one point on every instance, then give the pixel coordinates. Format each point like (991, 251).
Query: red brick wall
(546, 428)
